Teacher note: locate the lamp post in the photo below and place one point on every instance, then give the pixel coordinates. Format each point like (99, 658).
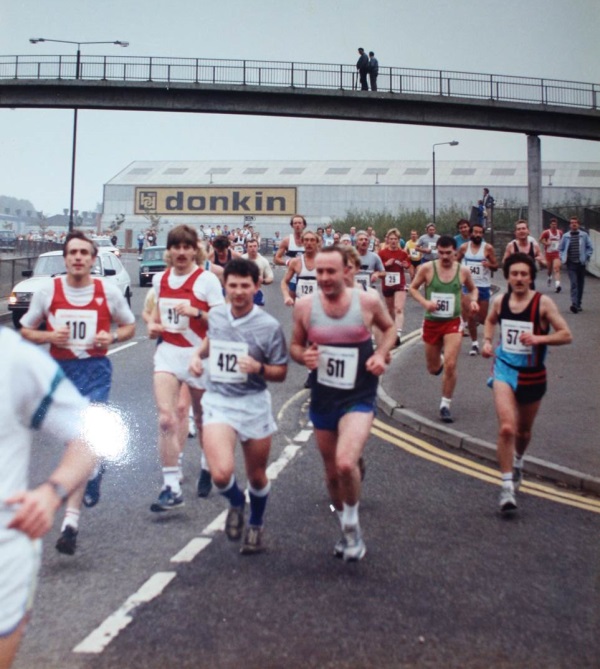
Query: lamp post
(36, 40)
(452, 143)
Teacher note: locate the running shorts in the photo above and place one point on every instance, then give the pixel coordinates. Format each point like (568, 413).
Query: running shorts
(249, 415)
(528, 385)
(435, 331)
(329, 421)
(176, 360)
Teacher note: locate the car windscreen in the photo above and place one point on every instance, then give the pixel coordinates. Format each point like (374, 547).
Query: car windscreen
(49, 265)
(154, 254)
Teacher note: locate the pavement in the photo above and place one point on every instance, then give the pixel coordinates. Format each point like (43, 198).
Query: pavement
(565, 447)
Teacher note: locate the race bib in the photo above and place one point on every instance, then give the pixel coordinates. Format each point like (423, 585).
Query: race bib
(392, 279)
(337, 367)
(306, 287)
(414, 254)
(444, 304)
(511, 336)
(476, 269)
(170, 319)
(238, 248)
(82, 324)
(362, 280)
(223, 361)
(553, 247)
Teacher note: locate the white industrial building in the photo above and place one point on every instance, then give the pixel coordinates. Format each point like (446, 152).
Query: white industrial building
(267, 193)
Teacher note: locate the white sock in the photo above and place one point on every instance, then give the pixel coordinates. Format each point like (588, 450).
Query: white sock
(507, 481)
(445, 402)
(350, 515)
(204, 462)
(71, 518)
(171, 478)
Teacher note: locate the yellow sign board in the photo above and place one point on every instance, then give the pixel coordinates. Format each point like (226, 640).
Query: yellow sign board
(222, 201)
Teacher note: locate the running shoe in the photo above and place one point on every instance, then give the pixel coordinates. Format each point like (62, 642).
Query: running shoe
(167, 501)
(234, 523)
(517, 477)
(192, 431)
(204, 483)
(549, 281)
(340, 546)
(558, 288)
(67, 542)
(253, 541)
(445, 415)
(508, 503)
(441, 369)
(474, 349)
(355, 548)
(91, 496)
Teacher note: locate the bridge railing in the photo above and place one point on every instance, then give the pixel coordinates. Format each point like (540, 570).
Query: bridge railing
(504, 88)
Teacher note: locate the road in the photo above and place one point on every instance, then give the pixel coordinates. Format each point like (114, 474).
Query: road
(446, 581)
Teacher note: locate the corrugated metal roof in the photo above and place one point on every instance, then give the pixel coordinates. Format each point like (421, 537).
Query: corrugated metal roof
(352, 173)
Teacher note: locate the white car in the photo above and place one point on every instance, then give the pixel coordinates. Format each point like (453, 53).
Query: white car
(107, 267)
(104, 244)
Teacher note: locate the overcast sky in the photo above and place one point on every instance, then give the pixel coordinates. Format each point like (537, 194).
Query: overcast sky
(538, 38)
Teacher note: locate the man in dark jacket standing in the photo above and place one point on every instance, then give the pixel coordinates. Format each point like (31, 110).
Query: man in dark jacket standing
(373, 70)
(362, 65)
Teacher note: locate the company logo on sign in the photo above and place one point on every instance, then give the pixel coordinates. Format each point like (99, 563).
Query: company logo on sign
(223, 201)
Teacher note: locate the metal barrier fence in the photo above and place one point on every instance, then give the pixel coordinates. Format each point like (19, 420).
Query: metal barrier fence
(301, 75)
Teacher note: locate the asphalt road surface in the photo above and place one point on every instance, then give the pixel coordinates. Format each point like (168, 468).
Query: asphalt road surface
(446, 581)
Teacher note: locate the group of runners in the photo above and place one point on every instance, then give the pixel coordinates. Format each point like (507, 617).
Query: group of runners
(217, 350)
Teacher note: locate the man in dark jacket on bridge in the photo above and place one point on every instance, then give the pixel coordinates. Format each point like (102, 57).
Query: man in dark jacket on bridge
(362, 65)
(373, 70)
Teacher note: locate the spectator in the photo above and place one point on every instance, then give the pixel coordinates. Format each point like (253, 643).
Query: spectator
(373, 70)
(362, 65)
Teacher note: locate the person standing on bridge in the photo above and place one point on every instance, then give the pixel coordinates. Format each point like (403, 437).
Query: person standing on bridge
(79, 310)
(362, 65)
(332, 338)
(373, 70)
(519, 377)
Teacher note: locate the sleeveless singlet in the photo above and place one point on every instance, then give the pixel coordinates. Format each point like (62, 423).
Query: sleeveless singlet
(482, 276)
(511, 351)
(447, 296)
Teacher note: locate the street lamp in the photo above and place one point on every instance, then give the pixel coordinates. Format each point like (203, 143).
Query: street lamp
(452, 143)
(36, 40)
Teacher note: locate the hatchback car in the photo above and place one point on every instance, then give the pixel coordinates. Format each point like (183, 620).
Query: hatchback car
(107, 267)
(152, 262)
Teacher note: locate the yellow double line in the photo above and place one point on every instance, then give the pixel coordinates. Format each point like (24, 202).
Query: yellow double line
(424, 450)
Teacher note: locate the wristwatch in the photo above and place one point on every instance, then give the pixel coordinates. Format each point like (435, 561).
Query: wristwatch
(59, 489)
(115, 337)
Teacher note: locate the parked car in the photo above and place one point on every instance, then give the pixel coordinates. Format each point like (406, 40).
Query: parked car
(105, 244)
(107, 267)
(8, 240)
(152, 262)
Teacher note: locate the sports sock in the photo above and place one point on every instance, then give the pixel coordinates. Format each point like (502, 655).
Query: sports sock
(171, 479)
(518, 461)
(350, 515)
(258, 502)
(204, 462)
(507, 481)
(71, 518)
(446, 401)
(232, 492)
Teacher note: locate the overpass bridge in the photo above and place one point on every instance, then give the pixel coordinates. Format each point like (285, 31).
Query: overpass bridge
(468, 100)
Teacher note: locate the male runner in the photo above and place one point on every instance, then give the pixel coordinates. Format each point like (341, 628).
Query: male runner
(35, 395)
(395, 260)
(291, 246)
(550, 239)
(245, 348)
(185, 293)
(427, 244)
(265, 273)
(371, 267)
(519, 378)
(480, 258)
(332, 337)
(442, 327)
(523, 243)
(303, 268)
(79, 310)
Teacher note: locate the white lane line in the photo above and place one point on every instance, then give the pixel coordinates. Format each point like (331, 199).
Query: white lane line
(189, 552)
(121, 348)
(288, 453)
(303, 436)
(97, 641)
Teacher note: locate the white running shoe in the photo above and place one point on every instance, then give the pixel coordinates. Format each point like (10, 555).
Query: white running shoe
(355, 546)
(508, 502)
(474, 349)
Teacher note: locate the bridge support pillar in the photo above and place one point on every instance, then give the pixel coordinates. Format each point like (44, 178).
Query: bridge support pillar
(534, 184)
